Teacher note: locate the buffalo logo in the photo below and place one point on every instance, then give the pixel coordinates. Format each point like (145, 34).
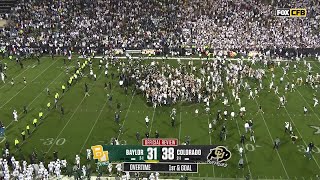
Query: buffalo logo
(220, 154)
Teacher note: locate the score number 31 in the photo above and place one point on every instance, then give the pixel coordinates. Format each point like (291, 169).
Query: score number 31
(167, 153)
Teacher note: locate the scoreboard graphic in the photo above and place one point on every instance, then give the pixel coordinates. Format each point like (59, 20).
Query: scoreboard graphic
(161, 167)
(164, 155)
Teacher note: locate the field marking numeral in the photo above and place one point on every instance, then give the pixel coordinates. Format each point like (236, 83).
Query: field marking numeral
(302, 149)
(50, 141)
(248, 147)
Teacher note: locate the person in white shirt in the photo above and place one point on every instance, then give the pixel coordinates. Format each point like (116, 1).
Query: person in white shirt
(252, 138)
(241, 151)
(308, 153)
(305, 111)
(196, 112)
(225, 113)
(119, 168)
(210, 128)
(2, 77)
(77, 160)
(316, 102)
(246, 127)
(88, 154)
(232, 115)
(152, 177)
(286, 126)
(84, 171)
(147, 121)
(15, 115)
(110, 169)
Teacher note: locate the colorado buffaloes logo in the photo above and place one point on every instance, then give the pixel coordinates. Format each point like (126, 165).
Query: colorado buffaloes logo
(219, 154)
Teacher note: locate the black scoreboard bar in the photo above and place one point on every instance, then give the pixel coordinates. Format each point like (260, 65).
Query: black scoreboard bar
(161, 167)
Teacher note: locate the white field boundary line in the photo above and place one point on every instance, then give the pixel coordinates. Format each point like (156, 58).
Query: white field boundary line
(126, 116)
(95, 122)
(245, 154)
(74, 112)
(188, 58)
(101, 110)
(316, 64)
(26, 85)
(37, 97)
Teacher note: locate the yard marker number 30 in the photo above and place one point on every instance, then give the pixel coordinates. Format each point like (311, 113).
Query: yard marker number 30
(50, 141)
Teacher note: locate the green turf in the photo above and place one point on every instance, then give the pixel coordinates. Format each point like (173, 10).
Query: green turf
(90, 121)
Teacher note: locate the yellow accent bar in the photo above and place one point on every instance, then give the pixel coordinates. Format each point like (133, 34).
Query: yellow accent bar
(152, 161)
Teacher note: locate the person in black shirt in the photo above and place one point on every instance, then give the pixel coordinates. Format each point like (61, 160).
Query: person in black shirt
(117, 118)
(147, 134)
(157, 134)
(25, 111)
(137, 136)
(242, 138)
(110, 100)
(118, 106)
(110, 86)
(55, 155)
(311, 145)
(86, 89)
(62, 110)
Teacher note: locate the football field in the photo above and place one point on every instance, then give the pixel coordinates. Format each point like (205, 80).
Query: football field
(90, 120)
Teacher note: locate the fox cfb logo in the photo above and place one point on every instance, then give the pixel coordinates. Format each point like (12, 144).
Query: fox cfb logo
(293, 12)
(218, 156)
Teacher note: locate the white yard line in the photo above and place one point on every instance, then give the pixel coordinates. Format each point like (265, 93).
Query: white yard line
(308, 105)
(306, 100)
(296, 127)
(17, 75)
(285, 170)
(214, 174)
(179, 140)
(209, 134)
(245, 154)
(125, 118)
(101, 110)
(37, 96)
(74, 112)
(301, 136)
(26, 85)
(95, 122)
(271, 136)
(154, 111)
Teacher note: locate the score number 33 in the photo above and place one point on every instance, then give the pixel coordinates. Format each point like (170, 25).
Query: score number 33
(167, 153)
